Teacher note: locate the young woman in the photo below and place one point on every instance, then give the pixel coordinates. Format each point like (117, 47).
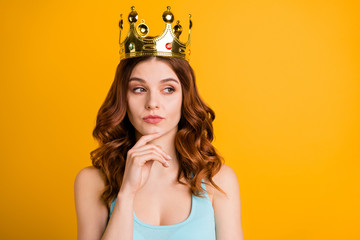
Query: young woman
(156, 174)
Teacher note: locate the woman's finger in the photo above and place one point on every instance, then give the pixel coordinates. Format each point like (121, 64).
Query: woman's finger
(142, 159)
(155, 148)
(147, 138)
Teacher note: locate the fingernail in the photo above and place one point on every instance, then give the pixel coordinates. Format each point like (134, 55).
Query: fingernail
(167, 164)
(169, 156)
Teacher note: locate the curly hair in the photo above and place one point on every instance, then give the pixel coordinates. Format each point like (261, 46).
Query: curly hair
(197, 157)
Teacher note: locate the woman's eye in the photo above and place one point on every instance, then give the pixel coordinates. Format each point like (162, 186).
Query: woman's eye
(141, 89)
(138, 89)
(170, 90)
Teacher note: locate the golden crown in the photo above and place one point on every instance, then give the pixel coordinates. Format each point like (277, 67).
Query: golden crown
(137, 43)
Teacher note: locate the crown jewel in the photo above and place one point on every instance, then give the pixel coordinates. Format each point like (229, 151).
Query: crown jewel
(137, 43)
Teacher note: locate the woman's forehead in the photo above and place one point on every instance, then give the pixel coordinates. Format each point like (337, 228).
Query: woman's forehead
(165, 80)
(153, 70)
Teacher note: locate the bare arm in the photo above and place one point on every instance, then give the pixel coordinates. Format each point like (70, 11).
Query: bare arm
(121, 223)
(227, 209)
(92, 213)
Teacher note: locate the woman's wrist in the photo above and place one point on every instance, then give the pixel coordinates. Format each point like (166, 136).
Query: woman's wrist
(125, 195)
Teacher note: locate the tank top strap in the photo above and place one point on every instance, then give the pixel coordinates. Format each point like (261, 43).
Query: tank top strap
(203, 186)
(204, 199)
(112, 205)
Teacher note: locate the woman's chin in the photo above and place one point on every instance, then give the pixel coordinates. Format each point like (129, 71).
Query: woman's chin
(149, 131)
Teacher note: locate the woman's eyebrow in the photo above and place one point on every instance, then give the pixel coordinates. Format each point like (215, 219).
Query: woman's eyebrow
(161, 81)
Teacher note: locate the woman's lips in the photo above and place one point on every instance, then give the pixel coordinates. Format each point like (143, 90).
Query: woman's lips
(153, 119)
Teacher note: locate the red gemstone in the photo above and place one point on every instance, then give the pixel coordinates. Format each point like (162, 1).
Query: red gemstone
(168, 46)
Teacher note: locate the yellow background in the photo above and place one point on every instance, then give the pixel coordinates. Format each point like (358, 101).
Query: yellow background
(282, 77)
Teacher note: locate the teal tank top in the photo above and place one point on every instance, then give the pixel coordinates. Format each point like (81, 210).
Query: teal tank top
(200, 224)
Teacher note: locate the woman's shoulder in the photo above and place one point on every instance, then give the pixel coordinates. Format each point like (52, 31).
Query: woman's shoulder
(226, 175)
(226, 179)
(90, 177)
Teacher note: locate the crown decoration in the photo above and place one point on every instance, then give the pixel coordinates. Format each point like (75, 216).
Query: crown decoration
(137, 42)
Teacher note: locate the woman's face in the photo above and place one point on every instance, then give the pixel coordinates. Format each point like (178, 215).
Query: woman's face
(154, 89)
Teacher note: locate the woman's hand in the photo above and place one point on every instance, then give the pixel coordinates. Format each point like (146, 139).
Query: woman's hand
(139, 161)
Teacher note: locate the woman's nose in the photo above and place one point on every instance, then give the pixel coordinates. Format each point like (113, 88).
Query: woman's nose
(152, 101)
